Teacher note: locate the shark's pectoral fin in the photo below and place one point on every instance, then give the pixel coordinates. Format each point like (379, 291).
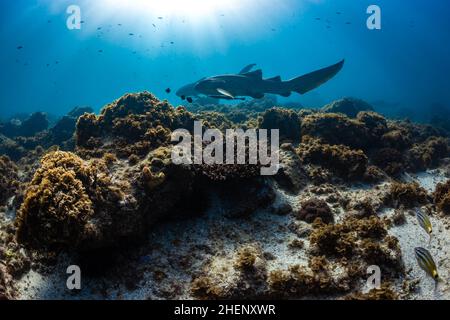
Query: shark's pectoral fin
(225, 93)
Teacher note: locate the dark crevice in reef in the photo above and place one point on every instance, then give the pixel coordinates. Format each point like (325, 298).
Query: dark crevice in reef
(91, 182)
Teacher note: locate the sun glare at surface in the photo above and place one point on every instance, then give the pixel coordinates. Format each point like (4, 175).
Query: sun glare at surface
(180, 8)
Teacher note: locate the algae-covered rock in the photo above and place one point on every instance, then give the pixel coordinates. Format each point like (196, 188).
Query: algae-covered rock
(442, 197)
(8, 179)
(348, 106)
(408, 195)
(291, 176)
(133, 124)
(70, 202)
(315, 208)
(336, 129)
(340, 159)
(287, 121)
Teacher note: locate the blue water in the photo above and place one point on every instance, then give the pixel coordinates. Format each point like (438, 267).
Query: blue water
(405, 65)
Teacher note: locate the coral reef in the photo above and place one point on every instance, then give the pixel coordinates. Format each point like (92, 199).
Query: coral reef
(348, 106)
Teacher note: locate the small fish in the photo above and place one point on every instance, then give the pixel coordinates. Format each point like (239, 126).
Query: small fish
(99, 28)
(100, 51)
(19, 47)
(168, 90)
(424, 221)
(318, 19)
(154, 25)
(160, 18)
(82, 21)
(338, 12)
(189, 99)
(131, 34)
(348, 22)
(426, 262)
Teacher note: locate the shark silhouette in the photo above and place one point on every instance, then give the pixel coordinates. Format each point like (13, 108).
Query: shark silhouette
(189, 89)
(252, 84)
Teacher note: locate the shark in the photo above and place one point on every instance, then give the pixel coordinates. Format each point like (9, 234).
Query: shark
(251, 84)
(190, 91)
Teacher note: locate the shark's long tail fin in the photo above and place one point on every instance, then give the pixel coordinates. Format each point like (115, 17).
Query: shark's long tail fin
(314, 79)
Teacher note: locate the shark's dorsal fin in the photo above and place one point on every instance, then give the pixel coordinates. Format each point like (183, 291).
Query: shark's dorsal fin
(277, 79)
(257, 74)
(247, 68)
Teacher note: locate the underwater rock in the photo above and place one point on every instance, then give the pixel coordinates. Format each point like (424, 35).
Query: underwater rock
(291, 176)
(389, 160)
(287, 121)
(340, 159)
(384, 293)
(133, 124)
(315, 208)
(9, 180)
(62, 133)
(299, 281)
(236, 202)
(10, 148)
(242, 276)
(6, 284)
(408, 195)
(37, 122)
(348, 106)
(336, 129)
(427, 155)
(442, 197)
(72, 203)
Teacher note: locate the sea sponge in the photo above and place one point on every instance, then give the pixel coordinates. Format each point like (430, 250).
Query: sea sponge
(340, 159)
(336, 129)
(287, 121)
(348, 106)
(409, 195)
(442, 197)
(315, 208)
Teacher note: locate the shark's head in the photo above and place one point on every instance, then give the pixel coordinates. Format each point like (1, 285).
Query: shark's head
(187, 91)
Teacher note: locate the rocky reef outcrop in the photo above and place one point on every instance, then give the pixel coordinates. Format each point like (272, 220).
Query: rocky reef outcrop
(348, 106)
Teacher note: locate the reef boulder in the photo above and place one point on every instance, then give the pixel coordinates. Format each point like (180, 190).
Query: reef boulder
(348, 106)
